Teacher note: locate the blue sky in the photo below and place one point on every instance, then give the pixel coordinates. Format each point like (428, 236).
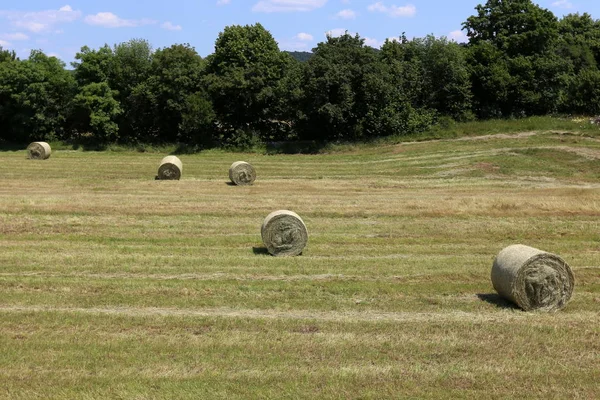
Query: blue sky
(62, 27)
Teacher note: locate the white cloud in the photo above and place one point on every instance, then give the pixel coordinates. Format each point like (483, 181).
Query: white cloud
(336, 32)
(562, 4)
(458, 36)
(305, 37)
(393, 11)
(346, 14)
(300, 42)
(373, 42)
(269, 6)
(14, 36)
(4, 43)
(40, 21)
(223, 2)
(377, 7)
(110, 20)
(171, 27)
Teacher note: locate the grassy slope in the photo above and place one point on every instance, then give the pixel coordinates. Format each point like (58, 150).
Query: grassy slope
(116, 285)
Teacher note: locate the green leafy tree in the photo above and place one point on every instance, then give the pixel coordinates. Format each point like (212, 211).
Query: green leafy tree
(583, 93)
(287, 100)
(7, 55)
(131, 69)
(516, 27)
(125, 68)
(433, 73)
(197, 120)
(175, 80)
(353, 92)
(580, 40)
(95, 111)
(579, 43)
(94, 66)
(35, 97)
(241, 77)
(515, 69)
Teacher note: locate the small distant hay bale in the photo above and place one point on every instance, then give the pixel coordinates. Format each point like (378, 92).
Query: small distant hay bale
(170, 168)
(242, 173)
(38, 151)
(532, 279)
(284, 233)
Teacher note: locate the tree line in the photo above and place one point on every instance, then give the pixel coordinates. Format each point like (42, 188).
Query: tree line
(520, 60)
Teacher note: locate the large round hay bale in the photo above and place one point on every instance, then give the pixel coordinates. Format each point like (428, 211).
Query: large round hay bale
(242, 173)
(170, 168)
(532, 279)
(38, 151)
(284, 233)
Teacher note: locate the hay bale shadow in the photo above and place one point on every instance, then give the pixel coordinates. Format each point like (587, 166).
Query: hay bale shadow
(230, 183)
(260, 250)
(497, 300)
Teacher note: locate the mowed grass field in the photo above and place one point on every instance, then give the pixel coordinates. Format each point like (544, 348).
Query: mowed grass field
(114, 285)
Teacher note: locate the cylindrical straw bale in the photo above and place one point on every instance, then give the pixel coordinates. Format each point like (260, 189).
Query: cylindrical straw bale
(532, 279)
(284, 233)
(170, 168)
(38, 151)
(242, 173)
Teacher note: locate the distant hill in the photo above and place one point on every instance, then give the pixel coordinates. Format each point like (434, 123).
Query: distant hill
(301, 56)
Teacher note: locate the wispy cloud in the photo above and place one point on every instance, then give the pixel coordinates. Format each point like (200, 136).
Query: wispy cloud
(374, 42)
(458, 36)
(110, 20)
(336, 32)
(269, 6)
(562, 4)
(14, 36)
(4, 43)
(305, 37)
(346, 14)
(300, 42)
(408, 10)
(40, 21)
(170, 26)
(223, 2)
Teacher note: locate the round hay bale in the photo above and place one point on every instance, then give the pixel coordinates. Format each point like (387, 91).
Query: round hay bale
(284, 233)
(242, 173)
(38, 151)
(170, 168)
(532, 279)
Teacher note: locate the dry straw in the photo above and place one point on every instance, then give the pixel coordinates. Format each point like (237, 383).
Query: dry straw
(170, 168)
(38, 151)
(242, 173)
(533, 279)
(284, 233)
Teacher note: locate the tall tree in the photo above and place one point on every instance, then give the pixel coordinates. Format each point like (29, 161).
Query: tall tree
(433, 72)
(35, 97)
(241, 77)
(94, 66)
(7, 55)
(515, 69)
(95, 111)
(349, 93)
(175, 75)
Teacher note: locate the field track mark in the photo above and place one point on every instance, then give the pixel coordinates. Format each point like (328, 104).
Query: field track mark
(325, 316)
